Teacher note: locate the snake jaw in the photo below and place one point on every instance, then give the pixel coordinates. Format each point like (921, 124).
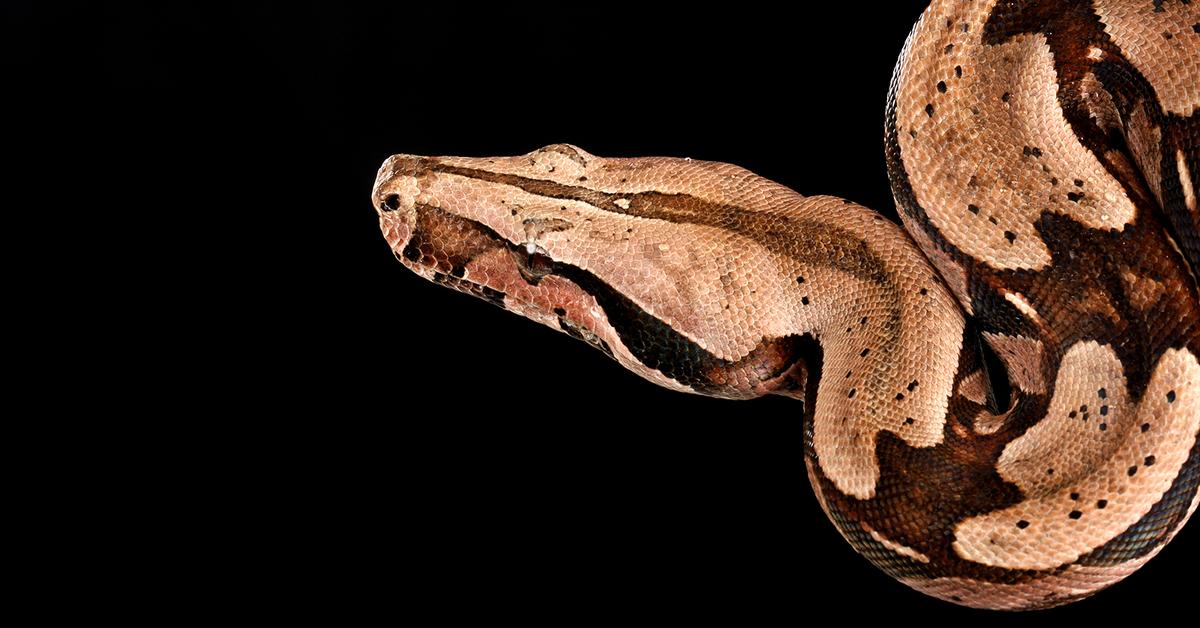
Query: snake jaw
(462, 253)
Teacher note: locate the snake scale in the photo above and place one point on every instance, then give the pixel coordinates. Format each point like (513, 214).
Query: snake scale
(1001, 400)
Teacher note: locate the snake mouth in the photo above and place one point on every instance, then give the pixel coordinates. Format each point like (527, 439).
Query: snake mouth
(466, 255)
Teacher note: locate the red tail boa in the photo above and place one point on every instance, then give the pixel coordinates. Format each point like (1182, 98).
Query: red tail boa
(1044, 158)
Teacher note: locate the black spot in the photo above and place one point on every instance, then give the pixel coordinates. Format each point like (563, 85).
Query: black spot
(560, 311)
(1049, 471)
(1075, 496)
(923, 291)
(1072, 414)
(1053, 180)
(854, 391)
(1150, 460)
(1167, 35)
(1075, 514)
(848, 374)
(974, 209)
(1074, 196)
(1010, 236)
(1104, 427)
(1083, 408)
(966, 27)
(973, 181)
(514, 212)
(913, 384)
(908, 420)
(941, 86)
(1132, 470)
(391, 203)
(992, 219)
(1196, 27)
(1171, 396)
(912, 133)
(1102, 504)
(899, 396)
(458, 270)
(929, 110)
(1102, 393)
(411, 252)
(958, 71)
(583, 178)
(863, 321)
(956, 598)
(948, 48)
(1031, 151)
(1145, 427)
(1103, 410)
(804, 300)
(1005, 96)
(1078, 183)
(799, 279)
(1022, 524)
(1158, 6)
(864, 352)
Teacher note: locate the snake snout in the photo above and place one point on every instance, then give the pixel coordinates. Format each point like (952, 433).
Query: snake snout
(394, 196)
(396, 183)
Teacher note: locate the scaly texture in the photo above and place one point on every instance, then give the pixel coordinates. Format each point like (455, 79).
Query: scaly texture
(1044, 158)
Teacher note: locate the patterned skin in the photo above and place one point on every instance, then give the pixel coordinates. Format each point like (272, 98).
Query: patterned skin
(1044, 160)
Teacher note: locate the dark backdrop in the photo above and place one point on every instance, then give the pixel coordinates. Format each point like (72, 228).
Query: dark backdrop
(409, 449)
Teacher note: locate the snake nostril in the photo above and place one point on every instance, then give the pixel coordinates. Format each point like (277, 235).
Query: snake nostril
(391, 203)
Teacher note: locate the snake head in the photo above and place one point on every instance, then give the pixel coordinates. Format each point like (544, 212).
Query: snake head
(464, 224)
(592, 247)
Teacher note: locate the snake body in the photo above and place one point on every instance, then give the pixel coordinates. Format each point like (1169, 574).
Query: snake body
(1001, 400)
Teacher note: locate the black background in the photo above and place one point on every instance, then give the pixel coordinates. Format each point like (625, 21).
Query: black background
(400, 448)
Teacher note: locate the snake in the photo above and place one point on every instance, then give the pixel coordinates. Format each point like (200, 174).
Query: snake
(1000, 396)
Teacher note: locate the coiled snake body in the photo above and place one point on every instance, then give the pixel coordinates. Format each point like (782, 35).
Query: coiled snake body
(1044, 158)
